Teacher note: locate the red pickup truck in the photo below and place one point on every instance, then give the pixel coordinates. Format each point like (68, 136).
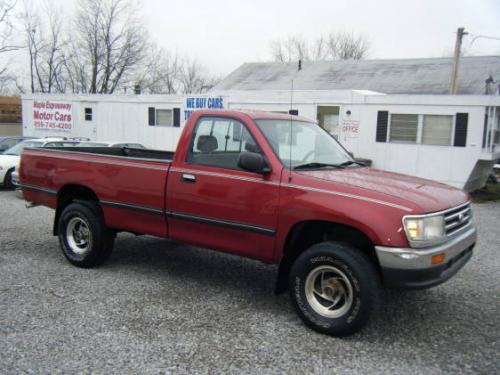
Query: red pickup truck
(267, 186)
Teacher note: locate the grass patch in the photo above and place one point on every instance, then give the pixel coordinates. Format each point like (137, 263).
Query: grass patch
(490, 193)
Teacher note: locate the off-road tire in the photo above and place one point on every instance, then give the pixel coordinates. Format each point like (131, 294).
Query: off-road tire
(326, 271)
(84, 238)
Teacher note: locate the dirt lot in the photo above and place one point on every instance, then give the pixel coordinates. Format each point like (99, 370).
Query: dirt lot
(161, 307)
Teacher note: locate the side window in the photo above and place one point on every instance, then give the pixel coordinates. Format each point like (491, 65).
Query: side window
(437, 130)
(88, 114)
(403, 128)
(218, 142)
(54, 144)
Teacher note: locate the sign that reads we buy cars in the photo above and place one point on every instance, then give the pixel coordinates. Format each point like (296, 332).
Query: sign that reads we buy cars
(54, 116)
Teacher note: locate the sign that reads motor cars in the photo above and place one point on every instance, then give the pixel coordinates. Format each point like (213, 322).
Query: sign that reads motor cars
(54, 116)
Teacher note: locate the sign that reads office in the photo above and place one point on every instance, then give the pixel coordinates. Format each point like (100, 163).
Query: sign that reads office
(193, 104)
(54, 116)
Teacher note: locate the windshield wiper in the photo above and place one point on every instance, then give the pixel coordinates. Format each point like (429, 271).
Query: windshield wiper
(351, 162)
(315, 165)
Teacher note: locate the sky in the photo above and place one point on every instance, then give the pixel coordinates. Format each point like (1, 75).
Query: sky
(223, 34)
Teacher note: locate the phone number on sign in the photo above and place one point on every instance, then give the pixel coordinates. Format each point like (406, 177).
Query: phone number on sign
(64, 126)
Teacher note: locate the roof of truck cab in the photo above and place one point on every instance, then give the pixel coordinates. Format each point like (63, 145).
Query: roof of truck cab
(256, 115)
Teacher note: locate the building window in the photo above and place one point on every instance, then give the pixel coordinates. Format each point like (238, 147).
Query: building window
(437, 130)
(164, 117)
(403, 128)
(88, 114)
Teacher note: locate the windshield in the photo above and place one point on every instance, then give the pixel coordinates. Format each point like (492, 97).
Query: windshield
(312, 146)
(17, 149)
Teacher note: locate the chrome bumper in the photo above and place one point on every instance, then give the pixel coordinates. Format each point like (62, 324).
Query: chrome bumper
(413, 268)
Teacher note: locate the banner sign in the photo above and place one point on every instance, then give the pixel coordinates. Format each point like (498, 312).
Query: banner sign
(193, 104)
(54, 116)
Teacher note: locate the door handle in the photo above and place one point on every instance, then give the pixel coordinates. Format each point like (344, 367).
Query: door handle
(188, 177)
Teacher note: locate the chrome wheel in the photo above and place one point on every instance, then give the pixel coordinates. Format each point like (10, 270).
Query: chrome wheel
(328, 291)
(78, 235)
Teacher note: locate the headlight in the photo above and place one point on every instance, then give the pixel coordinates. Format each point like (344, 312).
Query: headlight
(424, 231)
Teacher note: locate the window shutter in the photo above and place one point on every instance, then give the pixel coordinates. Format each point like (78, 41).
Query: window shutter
(151, 116)
(485, 129)
(461, 120)
(382, 120)
(177, 117)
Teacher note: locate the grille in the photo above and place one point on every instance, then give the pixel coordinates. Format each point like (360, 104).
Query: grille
(457, 218)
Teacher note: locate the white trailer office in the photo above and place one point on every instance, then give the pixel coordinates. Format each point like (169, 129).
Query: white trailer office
(452, 139)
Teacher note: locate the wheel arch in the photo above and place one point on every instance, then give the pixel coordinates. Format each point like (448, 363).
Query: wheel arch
(71, 193)
(307, 233)
(10, 170)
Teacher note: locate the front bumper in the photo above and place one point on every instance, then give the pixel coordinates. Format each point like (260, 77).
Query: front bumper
(413, 269)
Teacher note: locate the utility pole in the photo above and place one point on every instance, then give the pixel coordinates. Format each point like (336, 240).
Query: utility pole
(456, 59)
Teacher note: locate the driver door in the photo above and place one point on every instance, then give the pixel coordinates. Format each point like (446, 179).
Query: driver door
(213, 203)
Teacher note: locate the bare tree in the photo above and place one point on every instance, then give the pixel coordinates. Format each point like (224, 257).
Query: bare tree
(334, 46)
(106, 50)
(7, 79)
(160, 73)
(6, 27)
(110, 43)
(347, 46)
(45, 47)
(319, 49)
(289, 49)
(194, 78)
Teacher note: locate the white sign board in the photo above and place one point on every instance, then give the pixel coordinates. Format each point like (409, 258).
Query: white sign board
(350, 128)
(52, 116)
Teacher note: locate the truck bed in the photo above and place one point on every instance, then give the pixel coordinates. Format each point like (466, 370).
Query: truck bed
(129, 183)
(139, 153)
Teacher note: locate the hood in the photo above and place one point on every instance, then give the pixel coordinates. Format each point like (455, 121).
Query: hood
(9, 161)
(430, 196)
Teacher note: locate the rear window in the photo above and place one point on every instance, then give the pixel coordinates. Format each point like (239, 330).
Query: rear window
(92, 144)
(131, 145)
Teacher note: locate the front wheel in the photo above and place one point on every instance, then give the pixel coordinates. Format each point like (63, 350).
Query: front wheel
(334, 288)
(85, 240)
(7, 182)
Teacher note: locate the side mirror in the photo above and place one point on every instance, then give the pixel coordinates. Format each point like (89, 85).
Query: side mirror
(253, 162)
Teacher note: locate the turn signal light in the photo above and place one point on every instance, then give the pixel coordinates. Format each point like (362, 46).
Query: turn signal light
(439, 258)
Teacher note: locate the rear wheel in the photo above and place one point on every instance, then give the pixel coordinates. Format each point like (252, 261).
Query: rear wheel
(334, 288)
(84, 238)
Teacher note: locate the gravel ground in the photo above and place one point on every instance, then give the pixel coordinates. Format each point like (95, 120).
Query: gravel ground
(161, 307)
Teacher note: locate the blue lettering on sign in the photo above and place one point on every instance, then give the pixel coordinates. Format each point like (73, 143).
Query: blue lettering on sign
(202, 103)
(187, 114)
